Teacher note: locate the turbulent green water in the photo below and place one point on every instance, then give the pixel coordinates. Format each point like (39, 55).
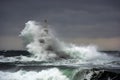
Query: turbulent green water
(52, 71)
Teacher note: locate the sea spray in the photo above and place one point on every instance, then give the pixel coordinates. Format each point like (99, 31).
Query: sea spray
(44, 45)
(38, 40)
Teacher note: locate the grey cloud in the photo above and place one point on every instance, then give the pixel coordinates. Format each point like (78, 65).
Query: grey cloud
(70, 18)
(85, 21)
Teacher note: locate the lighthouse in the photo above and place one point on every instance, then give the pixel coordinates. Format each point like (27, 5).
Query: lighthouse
(46, 26)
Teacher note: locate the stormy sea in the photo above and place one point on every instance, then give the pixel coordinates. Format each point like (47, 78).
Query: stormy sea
(48, 58)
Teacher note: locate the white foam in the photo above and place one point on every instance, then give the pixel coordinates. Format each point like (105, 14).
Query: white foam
(50, 74)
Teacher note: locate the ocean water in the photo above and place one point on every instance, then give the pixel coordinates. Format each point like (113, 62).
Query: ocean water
(48, 58)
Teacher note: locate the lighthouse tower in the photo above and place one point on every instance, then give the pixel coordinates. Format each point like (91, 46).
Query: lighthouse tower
(46, 26)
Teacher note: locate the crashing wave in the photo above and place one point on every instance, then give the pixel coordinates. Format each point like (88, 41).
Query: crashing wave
(44, 45)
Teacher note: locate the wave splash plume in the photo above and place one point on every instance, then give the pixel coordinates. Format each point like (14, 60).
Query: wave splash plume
(44, 45)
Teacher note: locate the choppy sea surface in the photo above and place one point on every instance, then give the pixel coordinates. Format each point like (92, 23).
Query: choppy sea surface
(62, 69)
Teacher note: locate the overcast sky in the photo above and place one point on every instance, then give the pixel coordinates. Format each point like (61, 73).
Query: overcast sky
(71, 19)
